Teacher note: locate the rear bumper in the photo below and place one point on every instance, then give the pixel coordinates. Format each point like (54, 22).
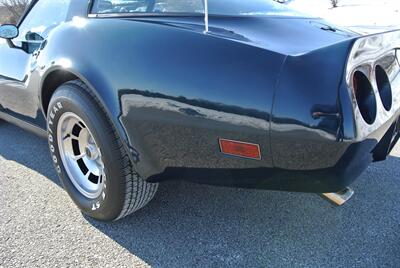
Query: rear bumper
(352, 164)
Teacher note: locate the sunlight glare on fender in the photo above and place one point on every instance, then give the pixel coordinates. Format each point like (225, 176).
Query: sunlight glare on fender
(79, 22)
(65, 63)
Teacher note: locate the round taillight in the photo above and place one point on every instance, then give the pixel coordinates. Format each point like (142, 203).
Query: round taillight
(384, 87)
(365, 97)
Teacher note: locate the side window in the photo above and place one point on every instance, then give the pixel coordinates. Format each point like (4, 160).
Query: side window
(42, 18)
(178, 6)
(148, 6)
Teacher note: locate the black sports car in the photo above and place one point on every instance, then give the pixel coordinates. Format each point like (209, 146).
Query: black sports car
(131, 93)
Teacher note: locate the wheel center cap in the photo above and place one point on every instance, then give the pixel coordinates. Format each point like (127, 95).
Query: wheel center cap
(91, 152)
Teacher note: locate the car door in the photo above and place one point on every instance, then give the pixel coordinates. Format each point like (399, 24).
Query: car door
(18, 90)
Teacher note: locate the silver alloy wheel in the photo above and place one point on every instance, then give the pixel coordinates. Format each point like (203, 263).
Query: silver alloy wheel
(80, 155)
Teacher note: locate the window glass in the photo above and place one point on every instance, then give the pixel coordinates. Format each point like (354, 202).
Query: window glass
(148, 6)
(248, 7)
(42, 18)
(216, 7)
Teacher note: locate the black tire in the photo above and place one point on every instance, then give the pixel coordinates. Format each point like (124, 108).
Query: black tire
(125, 191)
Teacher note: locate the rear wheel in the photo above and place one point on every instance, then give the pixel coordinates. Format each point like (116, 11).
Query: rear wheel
(91, 161)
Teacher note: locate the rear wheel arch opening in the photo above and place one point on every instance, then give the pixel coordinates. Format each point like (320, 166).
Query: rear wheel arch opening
(57, 78)
(51, 83)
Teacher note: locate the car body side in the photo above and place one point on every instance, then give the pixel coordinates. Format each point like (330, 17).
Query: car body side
(172, 91)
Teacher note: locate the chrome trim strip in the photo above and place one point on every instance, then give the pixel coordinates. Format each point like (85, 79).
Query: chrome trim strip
(206, 16)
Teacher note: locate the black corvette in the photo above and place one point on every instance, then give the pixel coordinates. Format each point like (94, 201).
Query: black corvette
(131, 93)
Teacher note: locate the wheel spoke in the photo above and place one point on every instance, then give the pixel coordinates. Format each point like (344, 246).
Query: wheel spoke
(70, 136)
(102, 175)
(82, 124)
(77, 157)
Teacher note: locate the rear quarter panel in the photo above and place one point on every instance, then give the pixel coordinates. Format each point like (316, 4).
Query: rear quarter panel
(308, 86)
(172, 92)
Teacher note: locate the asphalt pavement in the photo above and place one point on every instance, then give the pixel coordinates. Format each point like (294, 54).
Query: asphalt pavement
(189, 225)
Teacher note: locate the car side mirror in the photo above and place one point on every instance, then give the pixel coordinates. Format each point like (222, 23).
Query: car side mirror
(8, 31)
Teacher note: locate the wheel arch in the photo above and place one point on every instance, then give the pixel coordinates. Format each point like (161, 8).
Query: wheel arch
(50, 83)
(57, 76)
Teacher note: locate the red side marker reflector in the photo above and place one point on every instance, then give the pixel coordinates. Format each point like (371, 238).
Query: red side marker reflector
(241, 149)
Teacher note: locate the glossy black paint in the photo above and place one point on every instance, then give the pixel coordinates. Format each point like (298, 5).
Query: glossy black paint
(172, 91)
